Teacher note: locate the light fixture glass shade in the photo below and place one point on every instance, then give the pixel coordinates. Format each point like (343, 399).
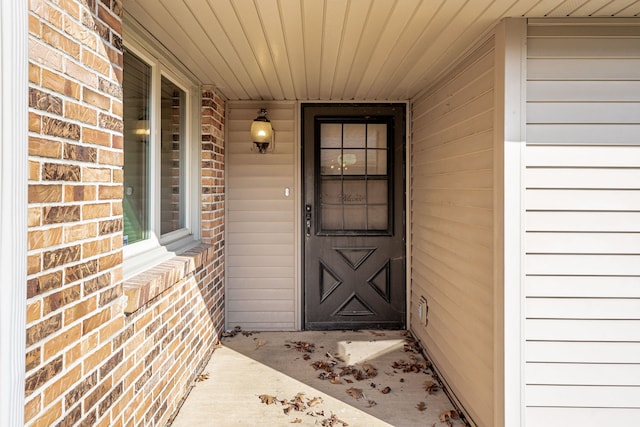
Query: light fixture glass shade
(142, 127)
(261, 131)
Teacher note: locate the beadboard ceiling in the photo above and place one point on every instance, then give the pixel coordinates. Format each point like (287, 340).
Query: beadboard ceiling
(335, 49)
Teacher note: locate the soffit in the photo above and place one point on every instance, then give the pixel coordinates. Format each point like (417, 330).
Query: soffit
(336, 49)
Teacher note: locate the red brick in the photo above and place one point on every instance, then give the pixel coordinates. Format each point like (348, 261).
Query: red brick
(45, 193)
(59, 342)
(96, 321)
(80, 112)
(60, 41)
(96, 99)
(79, 310)
(45, 147)
(60, 84)
(94, 136)
(49, 416)
(39, 239)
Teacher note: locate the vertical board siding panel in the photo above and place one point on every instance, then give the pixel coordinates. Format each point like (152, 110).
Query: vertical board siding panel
(261, 225)
(582, 248)
(452, 141)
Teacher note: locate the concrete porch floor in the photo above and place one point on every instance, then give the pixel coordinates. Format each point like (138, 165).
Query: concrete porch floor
(257, 379)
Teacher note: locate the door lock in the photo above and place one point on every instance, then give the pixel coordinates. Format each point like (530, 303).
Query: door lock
(307, 217)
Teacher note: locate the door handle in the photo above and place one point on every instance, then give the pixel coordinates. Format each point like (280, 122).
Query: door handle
(307, 217)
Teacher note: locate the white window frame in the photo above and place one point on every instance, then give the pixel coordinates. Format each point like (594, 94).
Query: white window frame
(156, 248)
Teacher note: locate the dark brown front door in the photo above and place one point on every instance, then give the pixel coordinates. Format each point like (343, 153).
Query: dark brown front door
(354, 254)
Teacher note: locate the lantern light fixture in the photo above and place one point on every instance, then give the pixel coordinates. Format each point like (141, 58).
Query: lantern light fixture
(262, 133)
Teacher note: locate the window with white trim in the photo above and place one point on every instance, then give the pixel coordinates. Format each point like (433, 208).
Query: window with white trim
(161, 123)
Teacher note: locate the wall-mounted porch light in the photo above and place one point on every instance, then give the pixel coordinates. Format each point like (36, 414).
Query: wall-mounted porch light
(262, 133)
(142, 128)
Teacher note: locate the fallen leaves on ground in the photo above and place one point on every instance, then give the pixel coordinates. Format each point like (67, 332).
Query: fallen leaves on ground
(356, 393)
(413, 365)
(411, 345)
(386, 390)
(260, 343)
(304, 347)
(431, 387)
(371, 403)
(247, 334)
(202, 377)
(315, 401)
(449, 416)
(300, 404)
(327, 367)
(421, 406)
(377, 334)
(232, 333)
(333, 421)
(267, 399)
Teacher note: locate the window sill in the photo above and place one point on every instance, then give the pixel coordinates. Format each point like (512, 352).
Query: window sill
(145, 286)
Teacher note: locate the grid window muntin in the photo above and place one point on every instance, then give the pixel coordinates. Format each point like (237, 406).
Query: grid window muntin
(354, 179)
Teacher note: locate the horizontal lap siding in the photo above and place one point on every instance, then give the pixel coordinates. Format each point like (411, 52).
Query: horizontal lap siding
(582, 219)
(260, 266)
(452, 228)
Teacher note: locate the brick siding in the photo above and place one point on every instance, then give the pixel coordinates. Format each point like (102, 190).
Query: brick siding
(88, 362)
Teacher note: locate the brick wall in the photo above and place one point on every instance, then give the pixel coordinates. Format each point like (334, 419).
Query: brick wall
(88, 362)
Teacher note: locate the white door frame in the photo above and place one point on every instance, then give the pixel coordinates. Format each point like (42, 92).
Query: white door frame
(14, 61)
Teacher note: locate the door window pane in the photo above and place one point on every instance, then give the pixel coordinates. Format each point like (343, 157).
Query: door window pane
(136, 88)
(354, 185)
(331, 135)
(355, 135)
(377, 135)
(171, 157)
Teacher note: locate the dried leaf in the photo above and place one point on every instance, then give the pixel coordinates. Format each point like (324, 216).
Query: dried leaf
(421, 406)
(451, 414)
(267, 399)
(325, 366)
(247, 334)
(296, 421)
(315, 401)
(414, 365)
(369, 370)
(260, 343)
(356, 393)
(386, 390)
(347, 380)
(306, 357)
(336, 380)
(302, 346)
(431, 387)
(377, 334)
(202, 377)
(232, 333)
(333, 421)
(371, 403)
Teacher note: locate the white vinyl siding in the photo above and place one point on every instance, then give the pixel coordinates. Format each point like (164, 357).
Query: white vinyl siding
(582, 221)
(261, 291)
(452, 232)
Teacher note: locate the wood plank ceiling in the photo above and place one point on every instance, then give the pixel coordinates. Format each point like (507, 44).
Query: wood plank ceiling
(335, 49)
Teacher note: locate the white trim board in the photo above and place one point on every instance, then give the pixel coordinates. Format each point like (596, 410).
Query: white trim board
(14, 60)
